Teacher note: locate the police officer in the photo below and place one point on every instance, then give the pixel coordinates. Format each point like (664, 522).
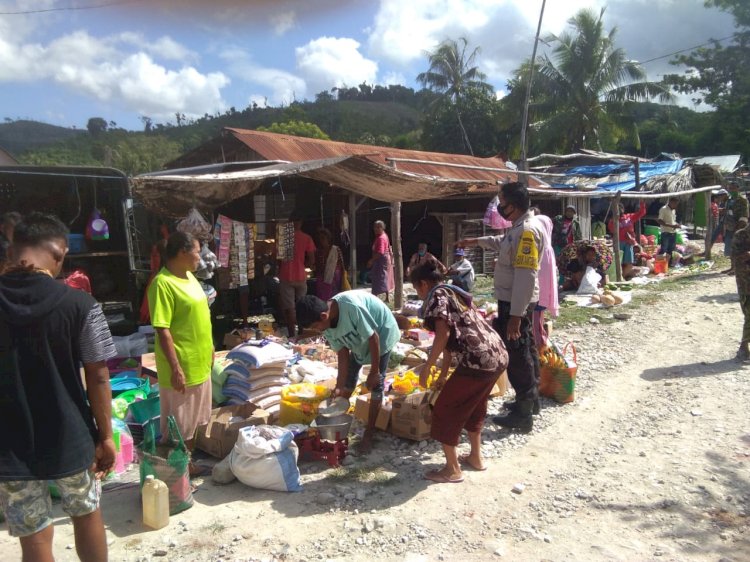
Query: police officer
(519, 254)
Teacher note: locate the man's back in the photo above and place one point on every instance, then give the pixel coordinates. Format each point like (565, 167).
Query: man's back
(41, 393)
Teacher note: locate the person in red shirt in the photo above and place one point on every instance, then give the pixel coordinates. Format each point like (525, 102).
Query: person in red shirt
(627, 235)
(293, 276)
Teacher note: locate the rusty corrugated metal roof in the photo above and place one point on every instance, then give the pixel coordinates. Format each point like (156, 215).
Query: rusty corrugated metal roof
(274, 146)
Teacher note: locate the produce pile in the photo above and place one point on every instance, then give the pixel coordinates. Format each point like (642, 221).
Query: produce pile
(408, 382)
(608, 298)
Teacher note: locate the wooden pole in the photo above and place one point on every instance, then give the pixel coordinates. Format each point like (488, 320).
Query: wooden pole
(616, 235)
(709, 225)
(527, 101)
(398, 266)
(353, 239)
(637, 167)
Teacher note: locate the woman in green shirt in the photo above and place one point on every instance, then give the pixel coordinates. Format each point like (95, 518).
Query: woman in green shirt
(184, 345)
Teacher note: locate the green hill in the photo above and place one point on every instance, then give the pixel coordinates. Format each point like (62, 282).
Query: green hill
(369, 122)
(20, 136)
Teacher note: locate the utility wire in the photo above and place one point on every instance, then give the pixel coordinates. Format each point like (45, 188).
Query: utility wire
(711, 42)
(71, 8)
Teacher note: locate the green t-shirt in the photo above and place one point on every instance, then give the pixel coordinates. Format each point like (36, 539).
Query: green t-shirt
(360, 315)
(181, 305)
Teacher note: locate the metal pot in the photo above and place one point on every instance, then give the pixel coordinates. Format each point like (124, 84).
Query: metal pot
(333, 407)
(329, 427)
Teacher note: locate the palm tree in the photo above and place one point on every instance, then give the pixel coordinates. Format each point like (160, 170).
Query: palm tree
(452, 74)
(586, 86)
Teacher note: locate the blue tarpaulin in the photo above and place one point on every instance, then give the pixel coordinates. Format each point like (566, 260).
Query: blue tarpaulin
(623, 173)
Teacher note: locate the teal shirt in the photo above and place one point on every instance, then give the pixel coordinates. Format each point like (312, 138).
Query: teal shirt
(360, 315)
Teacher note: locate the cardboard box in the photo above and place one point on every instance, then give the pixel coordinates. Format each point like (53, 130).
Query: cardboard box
(411, 417)
(501, 386)
(362, 412)
(236, 337)
(218, 437)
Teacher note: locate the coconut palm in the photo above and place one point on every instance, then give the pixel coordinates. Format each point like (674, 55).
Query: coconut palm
(586, 85)
(452, 74)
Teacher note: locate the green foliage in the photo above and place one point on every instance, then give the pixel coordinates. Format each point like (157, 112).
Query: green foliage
(719, 75)
(584, 89)
(461, 86)
(96, 126)
(297, 129)
(19, 136)
(442, 131)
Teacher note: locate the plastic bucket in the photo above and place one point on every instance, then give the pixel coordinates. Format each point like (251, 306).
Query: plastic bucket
(125, 383)
(661, 265)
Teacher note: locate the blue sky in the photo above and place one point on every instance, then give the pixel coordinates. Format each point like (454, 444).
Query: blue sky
(136, 58)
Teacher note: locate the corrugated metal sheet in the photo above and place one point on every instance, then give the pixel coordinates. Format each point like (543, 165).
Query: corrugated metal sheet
(273, 146)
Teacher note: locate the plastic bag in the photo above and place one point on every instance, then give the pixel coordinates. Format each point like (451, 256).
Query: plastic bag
(97, 228)
(167, 462)
(492, 217)
(557, 376)
(265, 457)
(590, 282)
(195, 224)
(299, 402)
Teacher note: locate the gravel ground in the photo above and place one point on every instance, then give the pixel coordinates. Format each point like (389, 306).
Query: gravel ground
(651, 462)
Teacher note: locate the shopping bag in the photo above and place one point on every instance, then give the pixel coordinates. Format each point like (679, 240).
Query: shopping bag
(590, 282)
(168, 462)
(558, 374)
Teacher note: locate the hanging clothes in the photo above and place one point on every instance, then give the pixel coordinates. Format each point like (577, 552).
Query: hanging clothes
(285, 241)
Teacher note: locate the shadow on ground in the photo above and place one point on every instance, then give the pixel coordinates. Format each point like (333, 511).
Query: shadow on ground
(726, 298)
(706, 521)
(690, 370)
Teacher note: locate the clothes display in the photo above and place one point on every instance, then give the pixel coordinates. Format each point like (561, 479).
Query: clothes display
(285, 241)
(235, 248)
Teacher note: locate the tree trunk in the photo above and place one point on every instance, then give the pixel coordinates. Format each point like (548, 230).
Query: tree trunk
(463, 132)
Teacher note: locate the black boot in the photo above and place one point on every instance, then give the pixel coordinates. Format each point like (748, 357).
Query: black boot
(511, 406)
(519, 418)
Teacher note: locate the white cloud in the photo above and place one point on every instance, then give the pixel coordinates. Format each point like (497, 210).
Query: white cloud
(164, 48)
(284, 86)
(328, 62)
(101, 69)
(283, 22)
(393, 78)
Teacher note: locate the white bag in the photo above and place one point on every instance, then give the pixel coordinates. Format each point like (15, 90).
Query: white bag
(590, 282)
(265, 457)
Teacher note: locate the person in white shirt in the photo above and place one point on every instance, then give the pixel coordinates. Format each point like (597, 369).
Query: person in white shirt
(461, 273)
(669, 225)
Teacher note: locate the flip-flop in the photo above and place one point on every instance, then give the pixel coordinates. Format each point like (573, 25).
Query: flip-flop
(435, 476)
(464, 460)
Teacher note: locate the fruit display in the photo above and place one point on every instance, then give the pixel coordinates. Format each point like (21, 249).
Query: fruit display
(408, 382)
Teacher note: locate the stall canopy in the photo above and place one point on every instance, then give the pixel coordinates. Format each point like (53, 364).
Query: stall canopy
(381, 173)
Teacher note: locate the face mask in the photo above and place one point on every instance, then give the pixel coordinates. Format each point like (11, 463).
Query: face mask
(421, 252)
(502, 210)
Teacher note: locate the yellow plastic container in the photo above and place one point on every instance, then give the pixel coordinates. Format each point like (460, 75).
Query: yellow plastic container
(299, 402)
(155, 496)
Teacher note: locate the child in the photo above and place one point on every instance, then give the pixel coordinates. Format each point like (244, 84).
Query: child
(482, 357)
(361, 329)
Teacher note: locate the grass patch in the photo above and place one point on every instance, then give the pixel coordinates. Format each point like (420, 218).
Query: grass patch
(215, 528)
(363, 475)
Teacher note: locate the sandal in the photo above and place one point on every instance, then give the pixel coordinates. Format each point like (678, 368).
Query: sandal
(464, 460)
(436, 476)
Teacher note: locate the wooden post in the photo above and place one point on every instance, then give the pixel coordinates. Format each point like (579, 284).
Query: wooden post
(616, 235)
(709, 225)
(398, 266)
(353, 239)
(637, 188)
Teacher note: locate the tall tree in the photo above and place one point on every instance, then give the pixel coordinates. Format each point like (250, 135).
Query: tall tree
(453, 74)
(586, 86)
(719, 75)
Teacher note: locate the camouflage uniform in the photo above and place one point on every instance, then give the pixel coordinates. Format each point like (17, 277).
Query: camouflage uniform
(741, 245)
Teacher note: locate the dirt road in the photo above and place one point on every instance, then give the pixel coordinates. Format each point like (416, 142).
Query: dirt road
(652, 462)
